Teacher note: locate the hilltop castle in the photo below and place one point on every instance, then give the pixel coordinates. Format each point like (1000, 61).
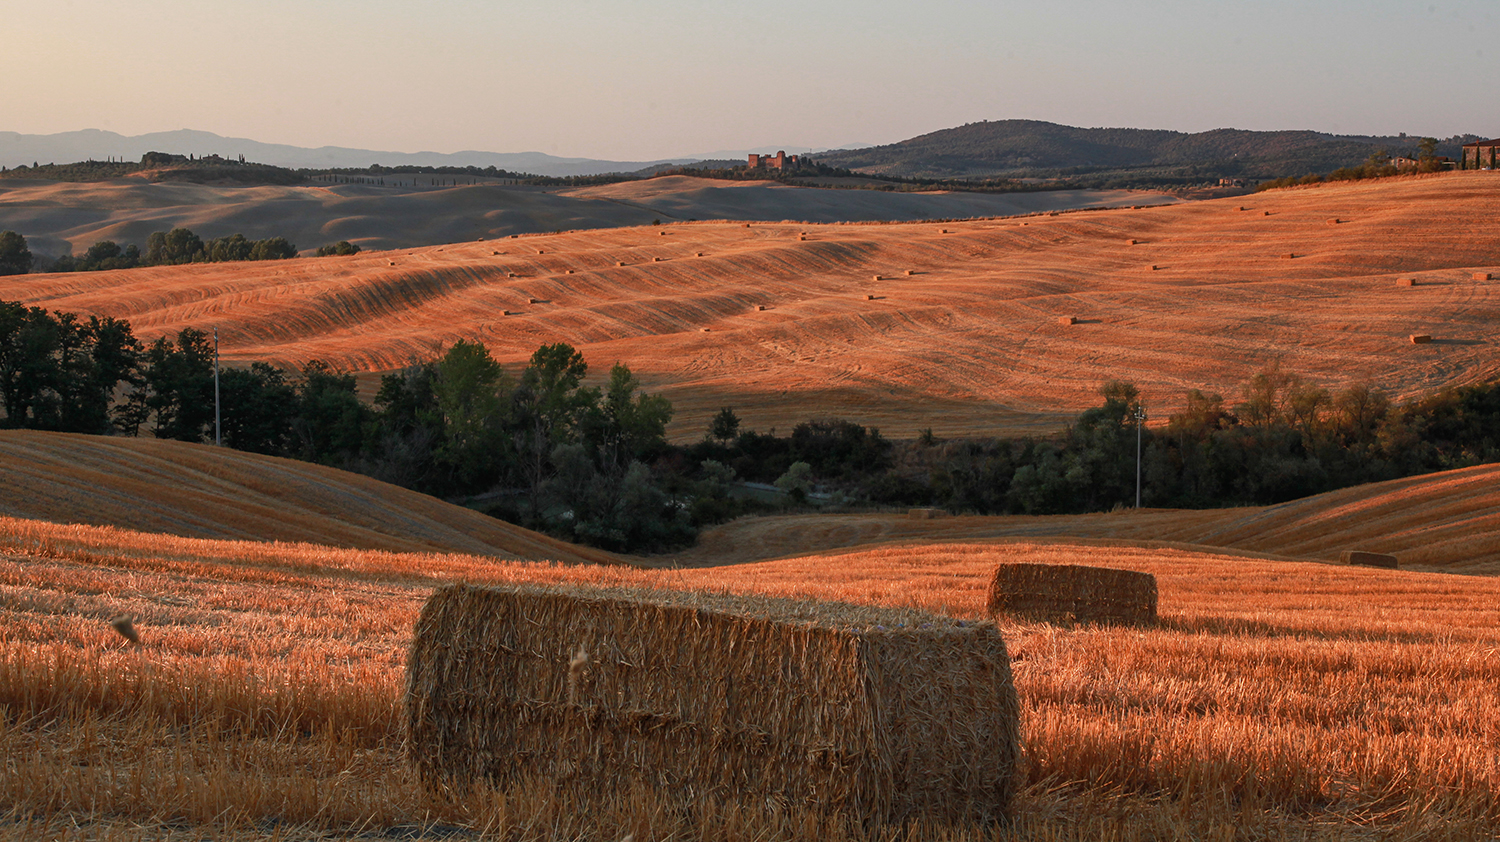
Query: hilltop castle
(779, 161)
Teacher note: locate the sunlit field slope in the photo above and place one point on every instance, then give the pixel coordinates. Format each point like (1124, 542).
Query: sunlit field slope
(787, 321)
(200, 491)
(1447, 521)
(1275, 699)
(420, 210)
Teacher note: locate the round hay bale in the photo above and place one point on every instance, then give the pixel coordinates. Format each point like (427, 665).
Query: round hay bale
(1368, 559)
(1068, 593)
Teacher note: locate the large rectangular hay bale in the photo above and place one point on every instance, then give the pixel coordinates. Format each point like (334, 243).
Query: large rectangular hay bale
(882, 714)
(1367, 559)
(1070, 593)
(1420, 338)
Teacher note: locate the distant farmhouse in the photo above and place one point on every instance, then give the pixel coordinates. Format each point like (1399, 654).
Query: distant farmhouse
(779, 161)
(1479, 155)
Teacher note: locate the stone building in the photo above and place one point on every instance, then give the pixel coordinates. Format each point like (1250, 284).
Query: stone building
(779, 161)
(1480, 155)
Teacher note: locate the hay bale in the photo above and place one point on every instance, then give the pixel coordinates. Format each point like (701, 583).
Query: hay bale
(1131, 242)
(1154, 267)
(1420, 338)
(656, 260)
(869, 296)
(880, 714)
(539, 251)
(875, 277)
(570, 271)
(619, 263)
(760, 308)
(1289, 256)
(1268, 213)
(1482, 276)
(1364, 559)
(505, 313)
(533, 301)
(697, 254)
(703, 330)
(1406, 282)
(1067, 320)
(1242, 207)
(926, 513)
(910, 272)
(1071, 593)
(1334, 221)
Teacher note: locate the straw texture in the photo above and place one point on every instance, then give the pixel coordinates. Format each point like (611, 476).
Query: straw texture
(882, 714)
(1068, 593)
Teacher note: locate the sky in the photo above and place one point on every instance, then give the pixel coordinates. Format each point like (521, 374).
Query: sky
(637, 80)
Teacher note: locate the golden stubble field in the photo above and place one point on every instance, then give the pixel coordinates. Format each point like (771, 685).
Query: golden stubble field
(948, 325)
(1276, 699)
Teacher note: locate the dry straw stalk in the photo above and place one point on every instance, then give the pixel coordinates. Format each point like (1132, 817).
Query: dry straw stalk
(1069, 593)
(881, 714)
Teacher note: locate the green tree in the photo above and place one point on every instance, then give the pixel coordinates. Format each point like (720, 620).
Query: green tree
(275, 248)
(15, 257)
(179, 386)
(258, 403)
(725, 426)
(330, 421)
(549, 404)
(174, 247)
(471, 392)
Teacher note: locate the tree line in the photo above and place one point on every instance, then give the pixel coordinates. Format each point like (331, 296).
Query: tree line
(541, 447)
(163, 248)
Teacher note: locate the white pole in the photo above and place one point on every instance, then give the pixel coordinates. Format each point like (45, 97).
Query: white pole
(1140, 418)
(218, 436)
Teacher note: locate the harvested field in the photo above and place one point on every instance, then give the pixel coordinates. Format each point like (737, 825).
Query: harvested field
(1448, 521)
(267, 692)
(199, 491)
(968, 347)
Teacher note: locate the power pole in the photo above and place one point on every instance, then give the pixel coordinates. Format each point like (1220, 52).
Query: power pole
(1140, 420)
(218, 434)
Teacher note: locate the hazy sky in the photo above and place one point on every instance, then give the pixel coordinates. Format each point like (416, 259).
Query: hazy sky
(645, 79)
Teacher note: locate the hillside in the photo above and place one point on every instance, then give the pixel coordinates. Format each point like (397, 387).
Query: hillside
(969, 343)
(1034, 147)
(267, 692)
(199, 491)
(1446, 522)
(409, 211)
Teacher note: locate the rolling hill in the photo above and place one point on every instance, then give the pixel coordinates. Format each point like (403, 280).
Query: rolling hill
(408, 211)
(1448, 522)
(199, 491)
(960, 332)
(1001, 147)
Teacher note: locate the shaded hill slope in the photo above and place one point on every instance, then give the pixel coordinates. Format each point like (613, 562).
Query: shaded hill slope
(1007, 146)
(1448, 521)
(199, 491)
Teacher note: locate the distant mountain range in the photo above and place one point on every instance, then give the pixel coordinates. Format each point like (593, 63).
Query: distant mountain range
(92, 144)
(1013, 148)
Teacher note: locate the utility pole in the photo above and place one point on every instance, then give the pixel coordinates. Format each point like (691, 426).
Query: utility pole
(218, 434)
(1140, 420)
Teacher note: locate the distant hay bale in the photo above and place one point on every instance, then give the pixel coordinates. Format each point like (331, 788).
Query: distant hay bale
(393, 263)
(910, 272)
(697, 254)
(505, 312)
(126, 627)
(656, 260)
(1071, 593)
(760, 307)
(1267, 213)
(1067, 320)
(539, 251)
(1289, 256)
(1406, 282)
(512, 275)
(1242, 207)
(1131, 242)
(1420, 338)
(703, 330)
(1334, 221)
(1482, 276)
(533, 301)
(883, 715)
(926, 513)
(570, 271)
(875, 277)
(1154, 267)
(619, 263)
(494, 252)
(943, 231)
(1365, 559)
(869, 297)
